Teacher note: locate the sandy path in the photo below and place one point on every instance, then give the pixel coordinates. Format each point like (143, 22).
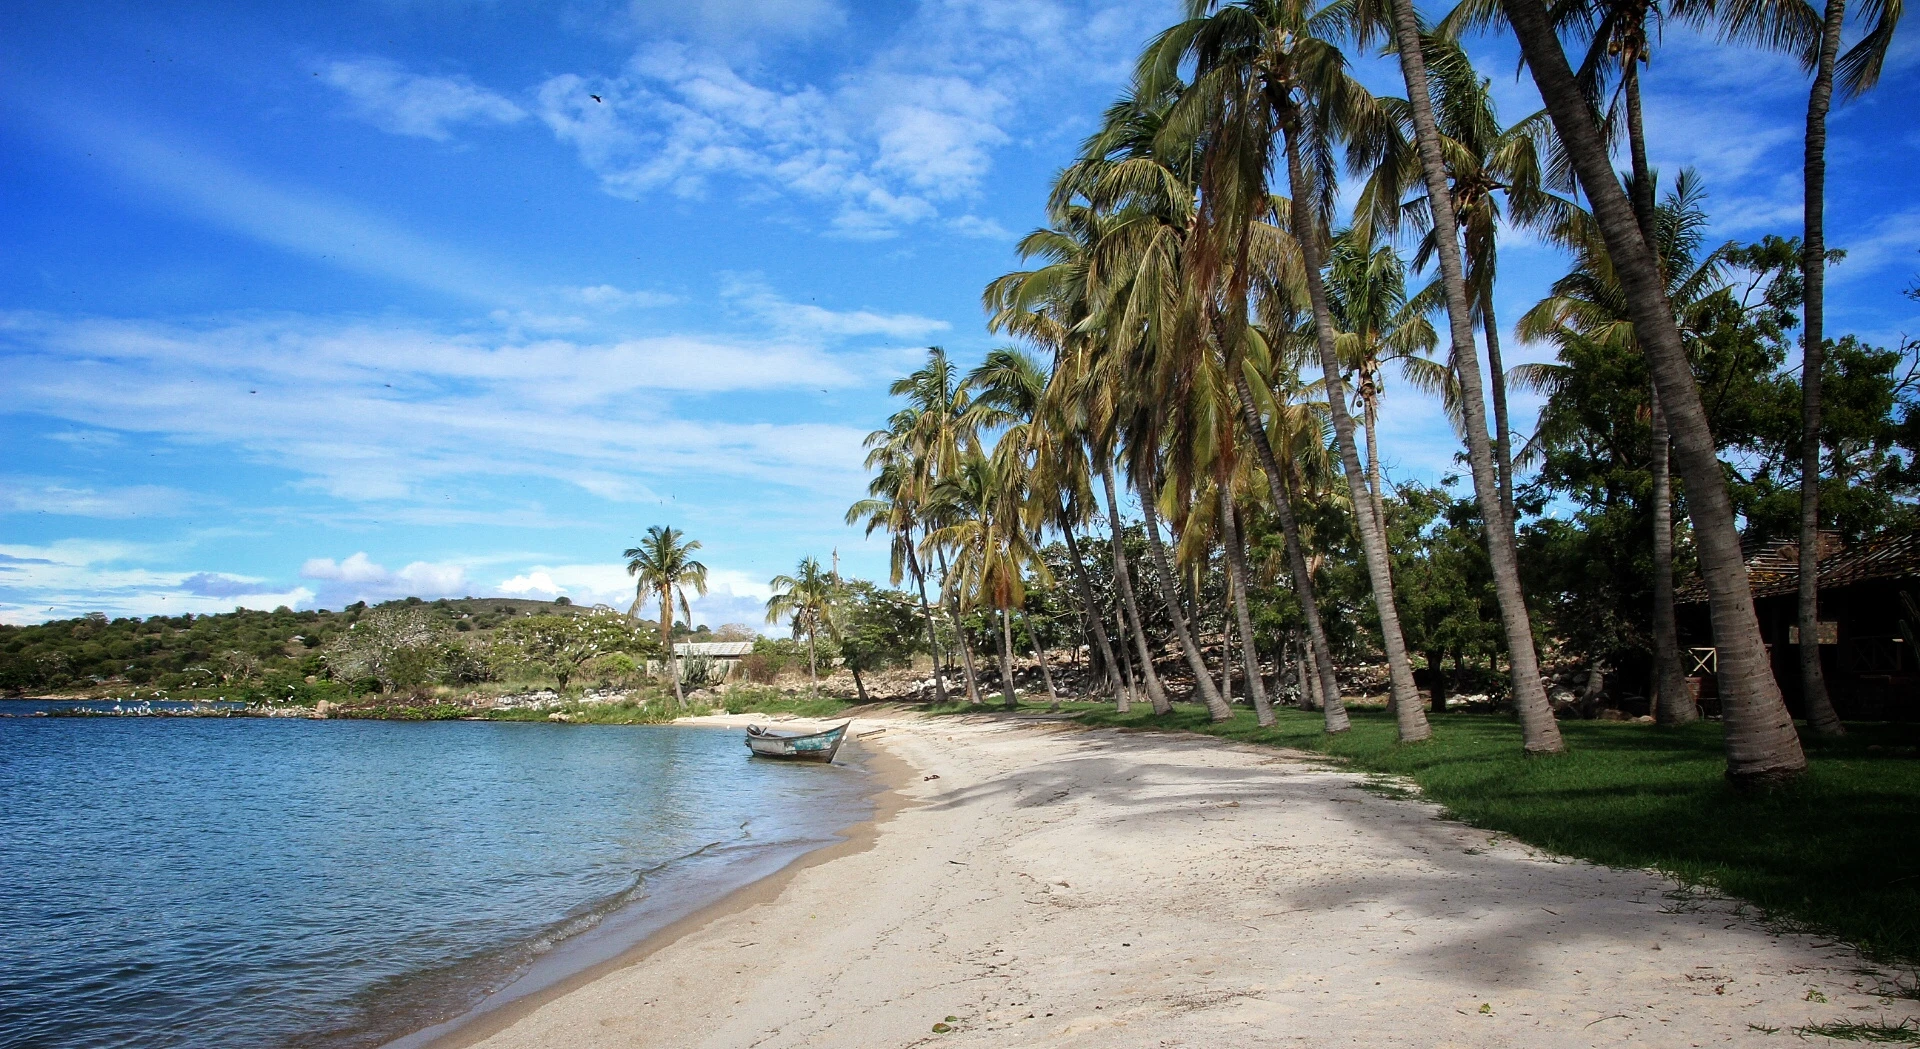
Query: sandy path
(1069, 888)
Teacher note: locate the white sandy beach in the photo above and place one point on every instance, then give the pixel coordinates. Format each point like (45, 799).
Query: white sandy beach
(1047, 885)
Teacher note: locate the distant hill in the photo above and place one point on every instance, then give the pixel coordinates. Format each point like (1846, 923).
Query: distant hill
(189, 651)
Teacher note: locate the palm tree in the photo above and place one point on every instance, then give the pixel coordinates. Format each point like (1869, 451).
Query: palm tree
(1762, 746)
(1367, 294)
(992, 546)
(934, 438)
(805, 599)
(664, 567)
(1268, 86)
(892, 505)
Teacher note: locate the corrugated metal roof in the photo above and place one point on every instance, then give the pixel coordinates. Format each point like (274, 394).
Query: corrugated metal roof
(1775, 568)
(713, 649)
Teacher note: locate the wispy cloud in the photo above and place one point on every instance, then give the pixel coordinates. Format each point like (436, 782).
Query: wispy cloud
(811, 321)
(381, 412)
(282, 214)
(392, 99)
(39, 495)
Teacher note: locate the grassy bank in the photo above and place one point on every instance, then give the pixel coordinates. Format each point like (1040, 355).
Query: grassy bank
(1838, 851)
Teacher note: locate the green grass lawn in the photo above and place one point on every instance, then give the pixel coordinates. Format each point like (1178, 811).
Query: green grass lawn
(1838, 851)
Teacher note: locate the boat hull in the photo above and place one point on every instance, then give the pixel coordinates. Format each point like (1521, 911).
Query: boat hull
(816, 746)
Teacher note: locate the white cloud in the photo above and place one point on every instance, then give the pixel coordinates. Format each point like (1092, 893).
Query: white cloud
(71, 577)
(907, 129)
(358, 578)
(404, 103)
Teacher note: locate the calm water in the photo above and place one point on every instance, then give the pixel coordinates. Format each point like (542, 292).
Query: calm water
(269, 883)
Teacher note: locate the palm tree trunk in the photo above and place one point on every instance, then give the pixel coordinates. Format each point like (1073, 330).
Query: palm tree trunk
(813, 663)
(666, 635)
(1317, 691)
(1373, 460)
(1502, 431)
(1077, 566)
(1226, 649)
(1166, 582)
(1237, 577)
(1762, 746)
(933, 637)
(1673, 699)
(1303, 592)
(1040, 657)
(1156, 692)
(1006, 661)
(959, 633)
(1540, 733)
(1411, 718)
(1813, 265)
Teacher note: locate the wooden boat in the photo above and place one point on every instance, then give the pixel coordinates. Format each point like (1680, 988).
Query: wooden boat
(796, 746)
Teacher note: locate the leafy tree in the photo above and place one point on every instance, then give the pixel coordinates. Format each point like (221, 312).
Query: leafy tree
(561, 646)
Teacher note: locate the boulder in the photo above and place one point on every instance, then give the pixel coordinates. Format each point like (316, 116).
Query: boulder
(325, 709)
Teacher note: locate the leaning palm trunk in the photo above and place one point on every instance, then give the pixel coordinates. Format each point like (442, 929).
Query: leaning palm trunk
(1813, 265)
(1166, 582)
(1406, 699)
(1156, 693)
(1040, 657)
(1538, 729)
(960, 635)
(1673, 699)
(1321, 668)
(1236, 546)
(1762, 746)
(933, 636)
(1078, 569)
(1006, 661)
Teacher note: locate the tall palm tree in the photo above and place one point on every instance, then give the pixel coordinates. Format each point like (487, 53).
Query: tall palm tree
(936, 438)
(1269, 89)
(1397, 21)
(1794, 25)
(805, 600)
(664, 567)
(1762, 746)
(1376, 324)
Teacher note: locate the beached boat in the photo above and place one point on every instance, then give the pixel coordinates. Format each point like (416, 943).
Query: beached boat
(796, 746)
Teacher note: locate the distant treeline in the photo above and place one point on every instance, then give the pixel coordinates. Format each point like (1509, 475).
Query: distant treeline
(236, 648)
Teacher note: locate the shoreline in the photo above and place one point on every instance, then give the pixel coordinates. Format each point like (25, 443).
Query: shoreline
(502, 1009)
(1043, 883)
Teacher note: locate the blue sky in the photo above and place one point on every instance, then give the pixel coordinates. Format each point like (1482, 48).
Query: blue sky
(305, 304)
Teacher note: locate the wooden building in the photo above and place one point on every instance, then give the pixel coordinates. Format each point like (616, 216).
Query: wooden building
(1869, 624)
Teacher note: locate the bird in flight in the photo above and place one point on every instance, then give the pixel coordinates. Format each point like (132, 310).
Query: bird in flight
(596, 98)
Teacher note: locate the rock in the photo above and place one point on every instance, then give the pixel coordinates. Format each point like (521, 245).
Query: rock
(558, 716)
(325, 709)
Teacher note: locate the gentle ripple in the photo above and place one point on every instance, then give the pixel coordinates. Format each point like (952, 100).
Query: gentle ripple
(267, 883)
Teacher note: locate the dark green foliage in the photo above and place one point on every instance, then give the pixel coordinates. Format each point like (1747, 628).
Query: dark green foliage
(184, 654)
(1838, 851)
(877, 628)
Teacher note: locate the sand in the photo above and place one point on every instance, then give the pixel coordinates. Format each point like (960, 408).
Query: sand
(1052, 886)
